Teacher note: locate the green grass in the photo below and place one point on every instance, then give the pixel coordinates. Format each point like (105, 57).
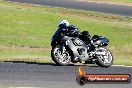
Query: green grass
(122, 1)
(26, 30)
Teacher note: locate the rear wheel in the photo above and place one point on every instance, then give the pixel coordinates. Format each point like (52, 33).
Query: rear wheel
(105, 60)
(60, 58)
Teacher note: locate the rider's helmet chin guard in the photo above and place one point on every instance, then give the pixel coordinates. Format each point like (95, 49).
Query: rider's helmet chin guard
(63, 24)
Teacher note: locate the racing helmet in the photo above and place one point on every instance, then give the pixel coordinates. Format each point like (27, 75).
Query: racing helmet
(63, 24)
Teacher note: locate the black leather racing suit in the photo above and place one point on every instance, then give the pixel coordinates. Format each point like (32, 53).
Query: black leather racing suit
(85, 36)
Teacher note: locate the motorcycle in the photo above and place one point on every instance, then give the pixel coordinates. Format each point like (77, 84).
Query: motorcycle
(67, 49)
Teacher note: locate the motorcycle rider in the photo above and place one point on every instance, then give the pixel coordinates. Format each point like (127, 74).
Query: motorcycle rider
(67, 28)
(68, 45)
(74, 31)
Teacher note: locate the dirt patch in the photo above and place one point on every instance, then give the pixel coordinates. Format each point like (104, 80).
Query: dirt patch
(97, 16)
(26, 59)
(31, 48)
(108, 2)
(124, 50)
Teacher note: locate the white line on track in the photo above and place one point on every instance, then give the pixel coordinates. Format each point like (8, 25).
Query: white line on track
(121, 66)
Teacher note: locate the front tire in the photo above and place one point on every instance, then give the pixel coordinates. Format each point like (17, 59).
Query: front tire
(60, 59)
(104, 60)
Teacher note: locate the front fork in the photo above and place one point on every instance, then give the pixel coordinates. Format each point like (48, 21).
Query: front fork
(62, 49)
(63, 43)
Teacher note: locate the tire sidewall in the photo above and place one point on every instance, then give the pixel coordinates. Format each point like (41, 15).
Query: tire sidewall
(57, 61)
(101, 64)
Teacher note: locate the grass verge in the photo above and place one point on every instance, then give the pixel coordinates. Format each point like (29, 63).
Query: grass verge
(25, 31)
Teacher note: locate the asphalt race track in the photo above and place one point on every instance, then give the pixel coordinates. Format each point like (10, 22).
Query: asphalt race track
(48, 75)
(90, 6)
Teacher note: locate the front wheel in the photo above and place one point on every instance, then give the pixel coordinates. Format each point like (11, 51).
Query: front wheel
(105, 59)
(60, 58)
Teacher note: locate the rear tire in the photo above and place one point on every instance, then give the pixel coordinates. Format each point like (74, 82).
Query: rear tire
(59, 59)
(105, 60)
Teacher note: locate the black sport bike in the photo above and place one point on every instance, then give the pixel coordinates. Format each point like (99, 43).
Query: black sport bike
(67, 48)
